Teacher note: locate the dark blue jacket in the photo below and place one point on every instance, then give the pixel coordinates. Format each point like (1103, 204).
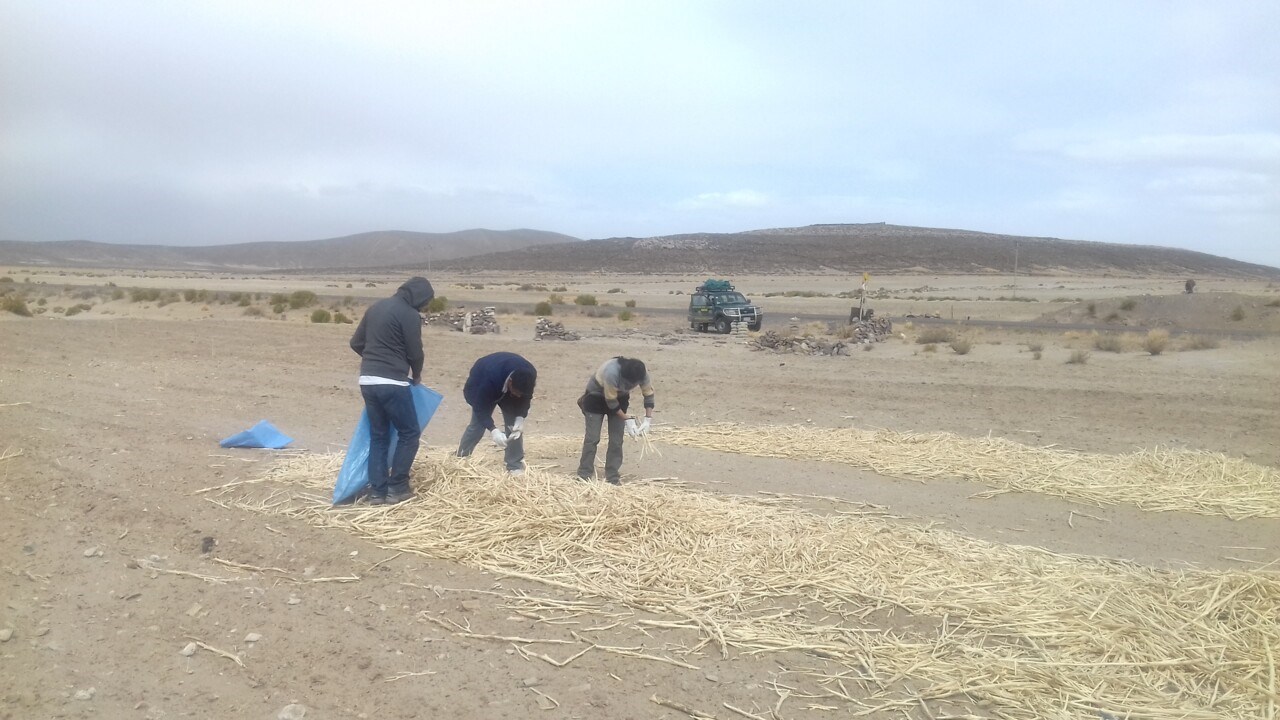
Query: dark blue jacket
(389, 336)
(489, 374)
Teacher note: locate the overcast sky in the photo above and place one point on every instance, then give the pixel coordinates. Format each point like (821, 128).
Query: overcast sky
(215, 122)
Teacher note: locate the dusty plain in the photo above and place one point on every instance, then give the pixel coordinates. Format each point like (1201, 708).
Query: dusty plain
(110, 421)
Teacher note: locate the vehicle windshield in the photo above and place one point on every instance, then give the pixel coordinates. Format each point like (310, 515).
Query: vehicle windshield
(732, 298)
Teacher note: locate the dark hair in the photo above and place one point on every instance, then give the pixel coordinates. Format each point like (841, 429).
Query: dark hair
(523, 381)
(631, 369)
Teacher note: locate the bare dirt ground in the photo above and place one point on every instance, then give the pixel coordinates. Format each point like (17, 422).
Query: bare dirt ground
(109, 422)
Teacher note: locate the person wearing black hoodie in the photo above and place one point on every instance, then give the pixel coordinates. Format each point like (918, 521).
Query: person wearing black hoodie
(389, 343)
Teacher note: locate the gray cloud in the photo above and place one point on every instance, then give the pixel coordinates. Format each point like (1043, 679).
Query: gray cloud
(133, 121)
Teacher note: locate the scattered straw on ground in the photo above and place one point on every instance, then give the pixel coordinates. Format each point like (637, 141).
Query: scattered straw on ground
(1159, 480)
(1008, 632)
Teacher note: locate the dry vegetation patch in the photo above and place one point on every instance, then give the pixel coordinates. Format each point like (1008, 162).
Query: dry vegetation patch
(1159, 480)
(1009, 632)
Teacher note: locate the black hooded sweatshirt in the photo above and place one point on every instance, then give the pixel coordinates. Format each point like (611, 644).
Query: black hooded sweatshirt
(389, 336)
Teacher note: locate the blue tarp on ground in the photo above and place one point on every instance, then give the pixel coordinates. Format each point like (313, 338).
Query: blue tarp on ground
(354, 475)
(262, 435)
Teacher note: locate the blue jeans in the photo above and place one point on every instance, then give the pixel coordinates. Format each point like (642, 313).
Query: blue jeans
(390, 406)
(513, 456)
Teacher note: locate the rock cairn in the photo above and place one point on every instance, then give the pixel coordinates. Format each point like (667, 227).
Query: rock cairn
(803, 344)
(548, 330)
(871, 330)
(478, 322)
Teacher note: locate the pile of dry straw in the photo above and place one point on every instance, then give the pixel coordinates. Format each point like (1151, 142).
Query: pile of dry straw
(1161, 480)
(1008, 632)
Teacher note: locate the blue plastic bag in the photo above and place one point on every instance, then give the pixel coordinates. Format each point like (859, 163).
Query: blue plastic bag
(262, 435)
(354, 475)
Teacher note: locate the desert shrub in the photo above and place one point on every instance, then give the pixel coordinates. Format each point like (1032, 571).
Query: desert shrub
(41, 302)
(1091, 309)
(59, 309)
(1037, 355)
(117, 294)
(254, 311)
(525, 287)
(371, 284)
(1155, 341)
(596, 312)
(624, 315)
(343, 319)
(867, 347)
(585, 300)
(961, 346)
(168, 299)
(559, 288)
(1035, 346)
(438, 304)
(555, 299)
(1274, 303)
(933, 335)
(348, 301)
(144, 295)
(1078, 357)
(78, 308)
(611, 291)
(1108, 343)
(1200, 342)
(348, 284)
(235, 296)
(189, 295)
(15, 305)
(930, 348)
(1128, 304)
(1238, 314)
(244, 301)
(278, 308)
(320, 315)
(1113, 317)
(279, 299)
(542, 308)
(301, 298)
(630, 303)
(6, 279)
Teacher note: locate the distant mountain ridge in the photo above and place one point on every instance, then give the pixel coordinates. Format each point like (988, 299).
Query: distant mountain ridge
(386, 248)
(857, 248)
(838, 248)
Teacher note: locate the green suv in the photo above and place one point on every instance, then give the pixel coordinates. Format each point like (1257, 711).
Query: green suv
(716, 306)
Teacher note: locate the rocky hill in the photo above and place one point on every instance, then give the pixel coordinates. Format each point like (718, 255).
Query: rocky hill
(390, 248)
(845, 249)
(877, 248)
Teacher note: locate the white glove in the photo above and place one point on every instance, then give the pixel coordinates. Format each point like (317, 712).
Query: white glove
(633, 430)
(644, 427)
(517, 429)
(499, 437)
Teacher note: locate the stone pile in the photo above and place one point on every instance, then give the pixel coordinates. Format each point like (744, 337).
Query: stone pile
(546, 329)
(478, 322)
(803, 344)
(871, 330)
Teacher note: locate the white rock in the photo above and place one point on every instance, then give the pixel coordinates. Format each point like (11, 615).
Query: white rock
(294, 600)
(189, 650)
(292, 711)
(91, 551)
(6, 634)
(253, 637)
(85, 694)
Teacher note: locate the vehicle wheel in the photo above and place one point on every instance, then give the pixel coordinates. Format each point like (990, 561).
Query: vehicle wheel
(722, 326)
(755, 326)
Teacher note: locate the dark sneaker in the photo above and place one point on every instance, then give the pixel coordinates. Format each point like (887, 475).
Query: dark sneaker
(377, 499)
(397, 497)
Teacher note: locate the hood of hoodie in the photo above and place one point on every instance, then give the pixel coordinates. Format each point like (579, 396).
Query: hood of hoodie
(417, 292)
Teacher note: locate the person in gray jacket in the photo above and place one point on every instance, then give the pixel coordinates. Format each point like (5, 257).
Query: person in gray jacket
(608, 396)
(389, 343)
